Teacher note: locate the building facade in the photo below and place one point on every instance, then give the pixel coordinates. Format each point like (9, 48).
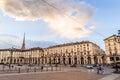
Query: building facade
(112, 45)
(84, 52)
(18, 56)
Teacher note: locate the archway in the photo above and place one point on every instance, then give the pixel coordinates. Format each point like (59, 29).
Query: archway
(64, 61)
(14, 61)
(59, 60)
(69, 60)
(75, 60)
(89, 60)
(82, 60)
(95, 60)
(1, 60)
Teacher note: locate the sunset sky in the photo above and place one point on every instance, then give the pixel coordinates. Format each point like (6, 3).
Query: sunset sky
(58, 21)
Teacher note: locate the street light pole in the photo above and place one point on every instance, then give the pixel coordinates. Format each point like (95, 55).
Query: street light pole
(114, 57)
(11, 53)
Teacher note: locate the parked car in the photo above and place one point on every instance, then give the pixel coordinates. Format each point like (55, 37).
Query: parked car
(88, 66)
(74, 65)
(19, 64)
(117, 65)
(31, 65)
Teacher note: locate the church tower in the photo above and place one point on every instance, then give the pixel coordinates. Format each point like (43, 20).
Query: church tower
(23, 44)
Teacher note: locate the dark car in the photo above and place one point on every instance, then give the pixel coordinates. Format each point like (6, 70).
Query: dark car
(31, 65)
(19, 64)
(116, 66)
(74, 65)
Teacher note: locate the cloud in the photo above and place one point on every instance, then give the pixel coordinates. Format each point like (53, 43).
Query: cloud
(64, 17)
(9, 41)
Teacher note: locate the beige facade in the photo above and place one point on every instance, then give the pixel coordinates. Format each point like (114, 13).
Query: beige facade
(18, 56)
(84, 52)
(112, 45)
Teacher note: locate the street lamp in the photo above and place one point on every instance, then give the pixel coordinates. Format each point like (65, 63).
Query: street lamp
(11, 54)
(29, 59)
(63, 59)
(56, 59)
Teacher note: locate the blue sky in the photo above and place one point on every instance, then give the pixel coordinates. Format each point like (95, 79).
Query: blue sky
(106, 19)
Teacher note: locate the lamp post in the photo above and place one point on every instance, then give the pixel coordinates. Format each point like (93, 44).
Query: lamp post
(56, 61)
(29, 62)
(114, 57)
(42, 56)
(39, 60)
(11, 54)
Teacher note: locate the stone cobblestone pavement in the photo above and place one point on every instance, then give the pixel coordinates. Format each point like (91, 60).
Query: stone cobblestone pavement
(111, 77)
(66, 75)
(118, 78)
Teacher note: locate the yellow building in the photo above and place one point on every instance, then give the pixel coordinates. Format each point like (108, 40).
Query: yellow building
(112, 45)
(18, 56)
(21, 56)
(84, 52)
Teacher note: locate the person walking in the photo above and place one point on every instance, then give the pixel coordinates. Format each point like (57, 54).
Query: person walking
(41, 68)
(98, 69)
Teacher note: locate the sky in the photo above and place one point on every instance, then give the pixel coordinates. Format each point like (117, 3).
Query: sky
(58, 21)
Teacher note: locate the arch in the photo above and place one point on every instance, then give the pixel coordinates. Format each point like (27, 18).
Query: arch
(1, 60)
(95, 60)
(75, 60)
(18, 61)
(4, 59)
(69, 60)
(64, 60)
(89, 60)
(82, 60)
(59, 60)
(54, 60)
(14, 61)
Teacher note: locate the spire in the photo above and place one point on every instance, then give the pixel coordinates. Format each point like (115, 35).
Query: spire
(118, 32)
(23, 44)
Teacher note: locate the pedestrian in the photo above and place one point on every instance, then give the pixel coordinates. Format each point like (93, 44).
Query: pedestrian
(116, 67)
(41, 68)
(102, 70)
(98, 68)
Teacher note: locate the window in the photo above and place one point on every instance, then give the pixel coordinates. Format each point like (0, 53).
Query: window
(87, 44)
(110, 53)
(111, 58)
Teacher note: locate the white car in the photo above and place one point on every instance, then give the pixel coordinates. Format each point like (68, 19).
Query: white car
(88, 66)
